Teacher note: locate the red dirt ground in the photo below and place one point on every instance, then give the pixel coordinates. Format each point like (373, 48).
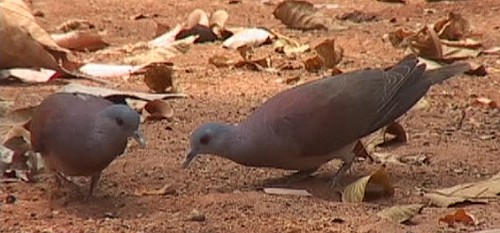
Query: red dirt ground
(231, 195)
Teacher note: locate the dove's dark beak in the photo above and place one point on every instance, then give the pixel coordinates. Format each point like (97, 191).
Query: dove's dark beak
(191, 155)
(139, 138)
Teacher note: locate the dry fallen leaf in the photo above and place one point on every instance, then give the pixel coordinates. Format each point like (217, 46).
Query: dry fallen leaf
(289, 47)
(455, 27)
(475, 192)
(401, 213)
(460, 216)
(304, 16)
(159, 54)
(159, 77)
(197, 17)
(105, 92)
(165, 190)
(396, 1)
(357, 16)
(80, 40)
(29, 75)
(327, 56)
(251, 37)
(75, 24)
(221, 61)
(399, 38)
(218, 21)
(426, 44)
(285, 191)
(377, 183)
(24, 43)
(483, 101)
(158, 110)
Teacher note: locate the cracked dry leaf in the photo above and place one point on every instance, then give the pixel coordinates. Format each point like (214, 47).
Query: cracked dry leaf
(159, 77)
(304, 16)
(401, 213)
(376, 184)
(475, 192)
(460, 216)
(455, 27)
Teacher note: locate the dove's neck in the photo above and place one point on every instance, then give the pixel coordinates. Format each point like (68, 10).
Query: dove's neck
(237, 145)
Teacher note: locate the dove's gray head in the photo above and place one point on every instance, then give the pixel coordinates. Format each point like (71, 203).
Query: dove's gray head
(126, 120)
(210, 138)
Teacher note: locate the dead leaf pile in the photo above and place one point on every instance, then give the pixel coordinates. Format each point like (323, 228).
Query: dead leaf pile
(447, 40)
(16, 159)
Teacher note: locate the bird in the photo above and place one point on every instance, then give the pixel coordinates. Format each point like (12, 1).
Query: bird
(80, 134)
(308, 125)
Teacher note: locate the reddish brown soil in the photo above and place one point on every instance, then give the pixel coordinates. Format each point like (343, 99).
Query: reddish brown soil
(231, 195)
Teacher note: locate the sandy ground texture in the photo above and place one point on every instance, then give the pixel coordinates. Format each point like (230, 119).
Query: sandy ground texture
(450, 132)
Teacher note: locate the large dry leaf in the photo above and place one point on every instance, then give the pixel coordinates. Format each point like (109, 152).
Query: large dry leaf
(105, 92)
(251, 37)
(377, 183)
(401, 213)
(474, 192)
(23, 42)
(159, 77)
(80, 40)
(302, 15)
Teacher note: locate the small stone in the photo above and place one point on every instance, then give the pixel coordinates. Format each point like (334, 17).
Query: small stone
(10, 199)
(196, 216)
(338, 220)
